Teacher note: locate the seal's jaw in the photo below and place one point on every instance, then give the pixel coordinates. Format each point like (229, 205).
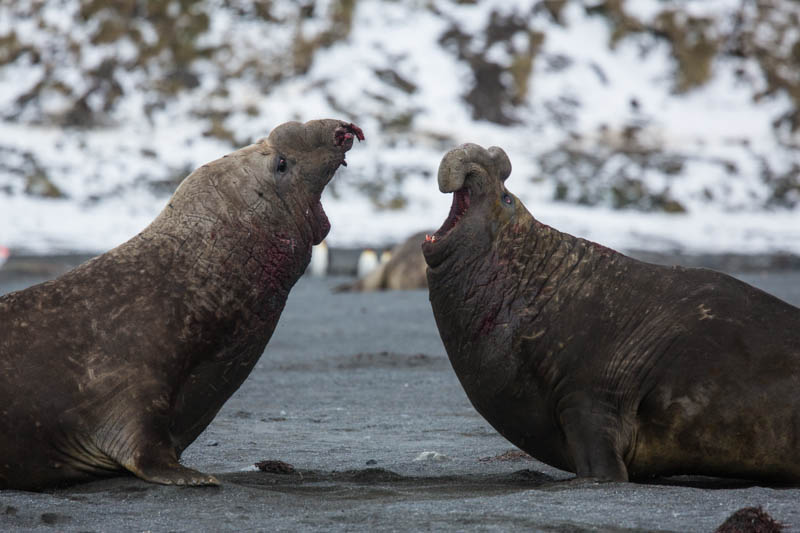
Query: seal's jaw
(468, 185)
(320, 225)
(464, 226)
(475, 176)
(459, 207)
(327, 142)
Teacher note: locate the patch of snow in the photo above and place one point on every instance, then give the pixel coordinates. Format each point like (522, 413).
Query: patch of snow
(432, 456)
(102, 171)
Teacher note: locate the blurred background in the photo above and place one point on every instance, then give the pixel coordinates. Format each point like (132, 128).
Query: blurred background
(642, 124)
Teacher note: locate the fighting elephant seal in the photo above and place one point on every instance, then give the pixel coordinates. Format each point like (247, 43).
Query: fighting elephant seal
(120, 363)
(602, 365)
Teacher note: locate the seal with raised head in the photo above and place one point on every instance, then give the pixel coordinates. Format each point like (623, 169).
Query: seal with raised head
(600, 364)
(119, 364)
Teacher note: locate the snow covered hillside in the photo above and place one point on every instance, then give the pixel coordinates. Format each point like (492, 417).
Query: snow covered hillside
(650, 124)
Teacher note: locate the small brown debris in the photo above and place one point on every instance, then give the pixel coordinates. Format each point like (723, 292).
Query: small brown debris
(275, 467)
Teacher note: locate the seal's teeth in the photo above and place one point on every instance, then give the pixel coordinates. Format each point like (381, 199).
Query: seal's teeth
(427, 238)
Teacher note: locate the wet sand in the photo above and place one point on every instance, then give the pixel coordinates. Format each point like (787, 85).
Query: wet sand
(350, 391)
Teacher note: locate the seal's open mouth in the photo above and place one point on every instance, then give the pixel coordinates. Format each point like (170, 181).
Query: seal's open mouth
(457, 209)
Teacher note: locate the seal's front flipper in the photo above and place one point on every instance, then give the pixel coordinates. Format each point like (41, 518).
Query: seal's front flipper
(146, 449)
(174, 474)
(160, 465)
(593, 445)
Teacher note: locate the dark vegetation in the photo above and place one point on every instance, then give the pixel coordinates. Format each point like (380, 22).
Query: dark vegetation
(162, 49)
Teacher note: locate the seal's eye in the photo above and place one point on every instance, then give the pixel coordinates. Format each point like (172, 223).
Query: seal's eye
(281, 165)
(507, 199)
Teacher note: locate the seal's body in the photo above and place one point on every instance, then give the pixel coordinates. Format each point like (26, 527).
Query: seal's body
(602, 365)
(122, 362)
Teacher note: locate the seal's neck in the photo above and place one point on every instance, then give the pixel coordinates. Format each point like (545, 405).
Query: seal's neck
(528, 268)
(228, 262)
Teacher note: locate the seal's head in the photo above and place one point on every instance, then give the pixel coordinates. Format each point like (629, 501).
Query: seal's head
(482, 207)
(275, 183)
(305, 157)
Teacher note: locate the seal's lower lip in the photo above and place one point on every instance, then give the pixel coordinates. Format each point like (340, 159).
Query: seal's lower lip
(320, 225)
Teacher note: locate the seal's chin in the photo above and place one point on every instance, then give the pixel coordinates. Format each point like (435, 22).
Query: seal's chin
(459, 207)
(320, 225)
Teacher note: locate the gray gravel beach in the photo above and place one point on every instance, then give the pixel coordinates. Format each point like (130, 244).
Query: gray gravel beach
(356, 392)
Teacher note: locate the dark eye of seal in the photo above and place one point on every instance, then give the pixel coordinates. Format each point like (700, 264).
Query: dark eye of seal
(281, 165)
(507, 199)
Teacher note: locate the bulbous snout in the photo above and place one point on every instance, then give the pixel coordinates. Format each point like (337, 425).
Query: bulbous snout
(468, 159)
(323, 133)
(316, 149)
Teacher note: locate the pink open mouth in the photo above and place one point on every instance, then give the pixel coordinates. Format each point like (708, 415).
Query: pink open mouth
(457, 209)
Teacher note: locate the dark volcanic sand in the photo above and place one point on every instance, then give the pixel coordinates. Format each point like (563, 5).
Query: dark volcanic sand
(351, 390)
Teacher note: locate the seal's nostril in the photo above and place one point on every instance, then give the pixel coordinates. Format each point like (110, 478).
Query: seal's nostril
(345, 133)
(356, 131)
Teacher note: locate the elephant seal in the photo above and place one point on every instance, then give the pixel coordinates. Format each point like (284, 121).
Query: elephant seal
(600, 364)
(405, 270)
(119, 364)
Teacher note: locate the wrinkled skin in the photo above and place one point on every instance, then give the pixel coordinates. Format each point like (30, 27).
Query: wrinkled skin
(119, 364)
(602, 365)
